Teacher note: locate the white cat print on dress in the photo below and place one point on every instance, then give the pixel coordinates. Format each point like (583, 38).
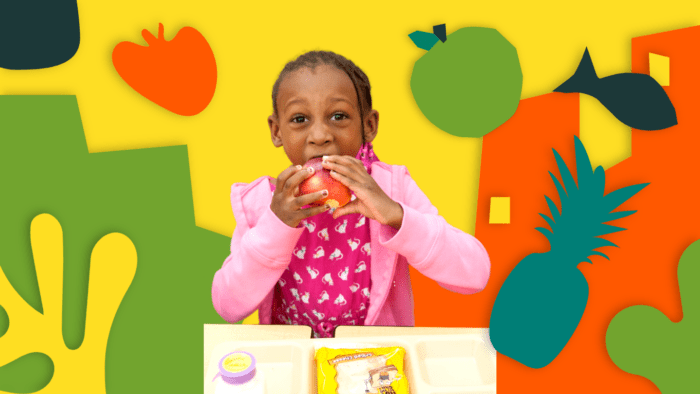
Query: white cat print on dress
(295, 293)
(344, 274)
(319, 252)
(354, 287)
(360, 222)
(297, 277)
(310, 226)
(340, 227)
(361, 267)
(312, 271)
(323, 234)
(354, 243)
(327, 279)
(300, 252)
(340, 300)
(348, 314)
(305, 298)
(318, 315)
(282, 282)
(324, 297)
(365, 292)
(336, 255)
(365, 249)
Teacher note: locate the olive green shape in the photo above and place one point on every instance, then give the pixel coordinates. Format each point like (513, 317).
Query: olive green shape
(156, 341)
(643, 341)
(28, 374)
(470, 84)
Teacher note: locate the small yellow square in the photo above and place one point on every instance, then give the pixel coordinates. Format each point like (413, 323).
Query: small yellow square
(659, 69)
(500, 210)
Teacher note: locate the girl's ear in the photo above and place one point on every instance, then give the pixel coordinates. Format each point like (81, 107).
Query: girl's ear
(275, 134)
(371, 125)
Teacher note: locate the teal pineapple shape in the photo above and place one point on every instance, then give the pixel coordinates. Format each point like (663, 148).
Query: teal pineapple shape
(542, 300)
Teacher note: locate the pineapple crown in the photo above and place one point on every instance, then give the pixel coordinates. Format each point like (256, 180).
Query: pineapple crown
(576, 230)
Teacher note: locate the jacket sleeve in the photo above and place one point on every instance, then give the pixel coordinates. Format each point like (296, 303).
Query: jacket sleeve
(260, 252)
(451, 257)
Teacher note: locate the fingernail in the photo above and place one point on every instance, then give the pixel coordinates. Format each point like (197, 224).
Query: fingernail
(324, 193)
(311, 170)
(327, 207)
(298, 167)
(324, 158)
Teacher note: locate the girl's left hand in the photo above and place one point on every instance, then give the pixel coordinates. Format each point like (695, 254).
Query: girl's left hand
(371, 201)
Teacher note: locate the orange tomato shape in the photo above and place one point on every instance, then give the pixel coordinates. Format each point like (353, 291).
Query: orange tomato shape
(179, 75)
(338, 194)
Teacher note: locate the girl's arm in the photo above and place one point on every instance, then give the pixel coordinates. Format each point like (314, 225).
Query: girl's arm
(259, 255)
(453, 258)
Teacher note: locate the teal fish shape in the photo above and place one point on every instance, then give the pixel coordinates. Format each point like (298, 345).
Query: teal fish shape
(637, 100)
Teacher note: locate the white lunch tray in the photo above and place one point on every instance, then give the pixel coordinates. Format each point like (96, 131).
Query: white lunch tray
(433, 364)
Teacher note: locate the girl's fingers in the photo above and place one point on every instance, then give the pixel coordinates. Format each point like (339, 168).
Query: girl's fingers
(351, 207)
(308, 212)
(284, 176)
(307, 199)
(345, 180)
(295, 180)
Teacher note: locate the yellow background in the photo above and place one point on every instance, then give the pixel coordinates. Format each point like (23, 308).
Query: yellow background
(229, 141)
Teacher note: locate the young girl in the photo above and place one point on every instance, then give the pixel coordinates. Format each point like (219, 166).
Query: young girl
(307, 265)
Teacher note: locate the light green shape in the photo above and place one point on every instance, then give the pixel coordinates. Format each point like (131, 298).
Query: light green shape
(144, 194)
(470, 84)
(643, 341)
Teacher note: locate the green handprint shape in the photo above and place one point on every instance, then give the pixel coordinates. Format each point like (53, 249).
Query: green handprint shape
(642, 341)
(155, 342)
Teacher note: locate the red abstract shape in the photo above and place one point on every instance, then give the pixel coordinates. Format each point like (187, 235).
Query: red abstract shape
(179, 75)
(516, 159)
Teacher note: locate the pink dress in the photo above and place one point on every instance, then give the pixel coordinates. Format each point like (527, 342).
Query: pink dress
(328, 280)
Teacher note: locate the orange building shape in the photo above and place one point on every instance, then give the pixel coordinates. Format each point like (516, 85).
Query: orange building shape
(516, 159)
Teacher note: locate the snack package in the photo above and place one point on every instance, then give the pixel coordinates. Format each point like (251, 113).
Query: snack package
(361, 371)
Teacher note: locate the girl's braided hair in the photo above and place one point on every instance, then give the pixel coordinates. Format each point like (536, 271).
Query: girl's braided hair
(315, 58)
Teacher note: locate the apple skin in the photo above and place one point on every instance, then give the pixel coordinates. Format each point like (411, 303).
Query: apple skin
(338, 194)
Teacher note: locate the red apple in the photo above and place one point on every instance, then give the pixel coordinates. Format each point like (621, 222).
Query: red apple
(338, 194)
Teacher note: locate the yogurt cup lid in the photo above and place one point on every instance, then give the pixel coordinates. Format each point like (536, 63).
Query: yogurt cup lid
(237, 367)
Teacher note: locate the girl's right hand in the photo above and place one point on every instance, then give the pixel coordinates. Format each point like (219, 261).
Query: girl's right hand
(286, 205)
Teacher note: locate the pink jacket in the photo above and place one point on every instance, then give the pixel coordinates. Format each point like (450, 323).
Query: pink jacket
(262, 245)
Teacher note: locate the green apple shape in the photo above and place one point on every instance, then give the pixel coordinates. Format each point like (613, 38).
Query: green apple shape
(469, 82)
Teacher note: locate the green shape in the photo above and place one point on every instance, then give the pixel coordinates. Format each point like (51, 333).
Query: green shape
(423, 40)
(145, 194)
(470, 84)
(643, 341)
(4, 321)
(28, 374)
(541, 302)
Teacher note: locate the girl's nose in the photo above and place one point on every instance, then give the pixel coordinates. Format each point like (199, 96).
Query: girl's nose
(320, 134)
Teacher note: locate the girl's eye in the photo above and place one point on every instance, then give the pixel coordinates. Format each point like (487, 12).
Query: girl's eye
(339, 116)
(298, 119)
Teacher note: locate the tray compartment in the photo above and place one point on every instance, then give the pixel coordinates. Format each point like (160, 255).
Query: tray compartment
(463, 362)
(281, 363)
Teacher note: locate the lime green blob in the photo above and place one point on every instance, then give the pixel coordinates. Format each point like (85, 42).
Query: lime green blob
(28, 374)
(145, 194)
(643, 341)
(470, 84)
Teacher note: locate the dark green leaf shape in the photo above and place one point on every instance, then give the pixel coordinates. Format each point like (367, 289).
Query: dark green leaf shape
(38, 34)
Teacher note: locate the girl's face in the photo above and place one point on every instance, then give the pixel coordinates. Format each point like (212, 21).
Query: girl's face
(319, 114)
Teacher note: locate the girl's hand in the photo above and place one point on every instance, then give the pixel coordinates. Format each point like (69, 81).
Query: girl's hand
(371, 200)
(286, 205)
